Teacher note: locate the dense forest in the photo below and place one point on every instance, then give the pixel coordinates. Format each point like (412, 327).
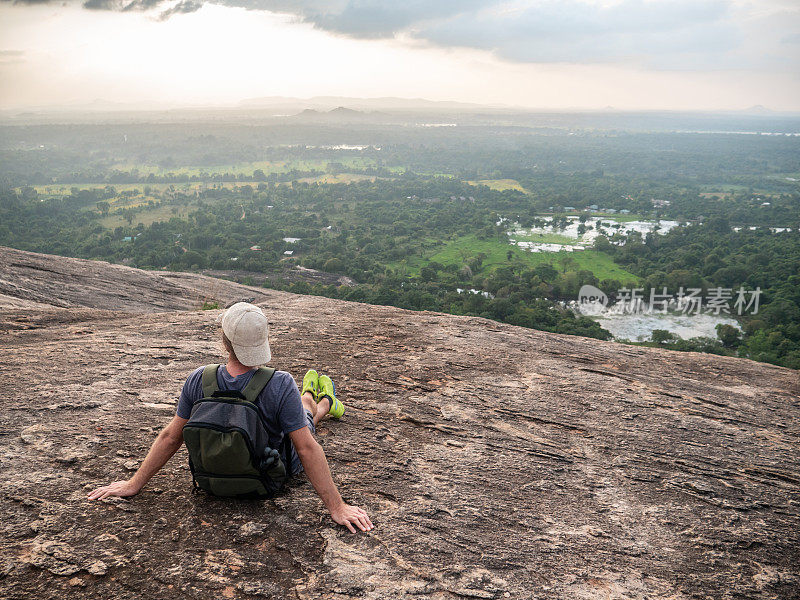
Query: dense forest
(393, 215)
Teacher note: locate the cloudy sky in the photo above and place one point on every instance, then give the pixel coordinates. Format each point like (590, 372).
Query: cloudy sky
(651, 54)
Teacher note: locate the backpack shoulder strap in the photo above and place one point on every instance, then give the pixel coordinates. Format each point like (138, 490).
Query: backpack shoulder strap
(259, 381)
(210, 384)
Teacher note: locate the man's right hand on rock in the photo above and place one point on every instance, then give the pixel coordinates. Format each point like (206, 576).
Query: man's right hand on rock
(118, 488)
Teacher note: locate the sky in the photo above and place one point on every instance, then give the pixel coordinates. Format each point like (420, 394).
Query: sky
(547, 54)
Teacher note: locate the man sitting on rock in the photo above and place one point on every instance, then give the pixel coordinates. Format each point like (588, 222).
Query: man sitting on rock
(284, 411)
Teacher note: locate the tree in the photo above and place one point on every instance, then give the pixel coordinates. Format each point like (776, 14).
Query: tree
(428, 273)
(545, 272)
(567, 261)
(476, 261)
(662, 336)
(729, 335)
(333, 265)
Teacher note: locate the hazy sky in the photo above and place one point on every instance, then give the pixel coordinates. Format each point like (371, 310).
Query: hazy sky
(677, 54)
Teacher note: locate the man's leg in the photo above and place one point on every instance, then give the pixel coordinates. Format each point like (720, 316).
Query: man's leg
(322, 410)
(318, 411)
(310, 405)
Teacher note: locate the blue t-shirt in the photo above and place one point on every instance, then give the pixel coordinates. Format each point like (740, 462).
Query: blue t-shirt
(279, 402)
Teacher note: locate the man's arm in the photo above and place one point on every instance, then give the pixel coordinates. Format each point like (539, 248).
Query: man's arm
(167, 443)
(316, 466)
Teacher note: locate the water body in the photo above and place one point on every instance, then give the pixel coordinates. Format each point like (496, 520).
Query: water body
(599, 226)
(638, 327)
(772, 229)
(778, 133)
(346, 147)
(635, 327)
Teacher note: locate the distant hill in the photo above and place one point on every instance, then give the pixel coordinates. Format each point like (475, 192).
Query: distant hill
(327, 103)
(340, 113)
(759, 109)
(347, 112)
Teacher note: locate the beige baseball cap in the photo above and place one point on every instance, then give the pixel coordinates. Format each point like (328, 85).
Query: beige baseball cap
(245, 325)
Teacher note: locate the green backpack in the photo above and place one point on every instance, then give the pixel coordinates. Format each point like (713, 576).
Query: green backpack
(228, 441)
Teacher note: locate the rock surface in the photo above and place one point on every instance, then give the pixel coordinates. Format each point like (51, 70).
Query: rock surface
(495, 461)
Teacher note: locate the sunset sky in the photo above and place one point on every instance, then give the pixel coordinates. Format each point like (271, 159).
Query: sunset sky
(629, 54)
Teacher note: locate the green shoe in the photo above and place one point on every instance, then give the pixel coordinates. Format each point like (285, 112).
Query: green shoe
(328, 390)
(311, 383)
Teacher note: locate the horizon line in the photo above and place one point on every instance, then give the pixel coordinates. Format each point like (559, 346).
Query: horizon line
(100, 106)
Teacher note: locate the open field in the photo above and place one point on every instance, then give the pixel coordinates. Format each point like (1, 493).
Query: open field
(595, 261)
(247, 168)
(500, 184)
(60, 189)
(717, 195)
(338, 178)
(600, 215)
(163, 212)
(725, 188)
(620, 218)
(458, 251)
(546, 238)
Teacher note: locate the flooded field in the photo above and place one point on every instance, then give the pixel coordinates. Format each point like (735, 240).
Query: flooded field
(639, 326)
(571, 234)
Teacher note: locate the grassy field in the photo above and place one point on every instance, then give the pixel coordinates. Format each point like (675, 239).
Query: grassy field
(247, 168)
(159, 213)
(600, 215)
(546, 238)
(620, 218)
(278, 167)
(595, 261)
(456, 251)
(60, 189)
(338, 178)
(500, 184)
(724, 188)
(64, 188)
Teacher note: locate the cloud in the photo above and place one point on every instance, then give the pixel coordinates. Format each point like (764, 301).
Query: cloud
(122, 5)
(663, 34)
(366, 18)
(654, 33)
(182, 7)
